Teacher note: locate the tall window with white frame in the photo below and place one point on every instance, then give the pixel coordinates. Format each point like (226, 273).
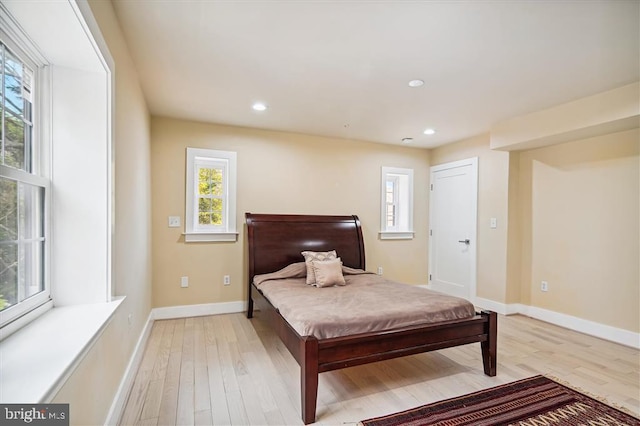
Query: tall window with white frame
(22, 189)
(211, 195)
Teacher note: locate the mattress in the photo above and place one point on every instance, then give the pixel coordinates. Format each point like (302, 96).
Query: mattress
(367, 303)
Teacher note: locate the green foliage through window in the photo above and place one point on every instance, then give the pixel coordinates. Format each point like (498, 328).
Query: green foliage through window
(21, 201)
(15, 111)
(210, 196)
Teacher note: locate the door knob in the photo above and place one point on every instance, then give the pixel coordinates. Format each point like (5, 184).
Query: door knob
(467, 241)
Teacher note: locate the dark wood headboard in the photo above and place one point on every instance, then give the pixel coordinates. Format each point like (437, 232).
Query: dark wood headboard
(276, 241)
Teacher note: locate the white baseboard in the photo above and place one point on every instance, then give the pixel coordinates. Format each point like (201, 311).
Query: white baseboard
(169, 312)
(498, 307)
(184, 311)
(606, 332)
(120, 399)
(501, 308)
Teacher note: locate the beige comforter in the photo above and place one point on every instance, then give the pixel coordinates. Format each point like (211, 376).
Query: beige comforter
(367, 303)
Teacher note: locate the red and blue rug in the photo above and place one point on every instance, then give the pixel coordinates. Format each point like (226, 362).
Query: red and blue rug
(535, 401)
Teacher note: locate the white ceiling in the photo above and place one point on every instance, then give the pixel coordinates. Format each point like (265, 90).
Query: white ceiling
(341, 68)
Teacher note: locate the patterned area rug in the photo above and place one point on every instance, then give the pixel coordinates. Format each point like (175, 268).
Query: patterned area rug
(535, 401)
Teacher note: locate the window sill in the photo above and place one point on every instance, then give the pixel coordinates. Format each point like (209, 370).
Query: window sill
(38, 359)
(395, 235)
(202, 237)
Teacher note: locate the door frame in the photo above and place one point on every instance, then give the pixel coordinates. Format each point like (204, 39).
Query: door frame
(473, 162)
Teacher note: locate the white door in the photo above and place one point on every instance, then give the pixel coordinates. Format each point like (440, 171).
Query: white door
(452, 228)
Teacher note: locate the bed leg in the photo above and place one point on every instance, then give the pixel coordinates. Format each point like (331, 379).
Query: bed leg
(309, 379)
(250, 308)
(489, 347)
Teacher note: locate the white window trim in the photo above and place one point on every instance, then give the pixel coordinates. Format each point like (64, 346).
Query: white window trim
(14, 318)
(397, 234)
(194, 233)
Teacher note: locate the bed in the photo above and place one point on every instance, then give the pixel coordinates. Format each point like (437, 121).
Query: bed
(276, 241)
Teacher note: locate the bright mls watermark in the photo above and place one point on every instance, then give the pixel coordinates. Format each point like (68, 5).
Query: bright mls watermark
(34, 414)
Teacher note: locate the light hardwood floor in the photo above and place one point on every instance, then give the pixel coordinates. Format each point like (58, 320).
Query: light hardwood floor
(226, 369)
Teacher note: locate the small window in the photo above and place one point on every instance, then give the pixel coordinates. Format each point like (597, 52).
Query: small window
(396, 211)
(211, 195)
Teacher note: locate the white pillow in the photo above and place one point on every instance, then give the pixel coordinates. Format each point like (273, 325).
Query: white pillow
(310, 256)
(328, 272)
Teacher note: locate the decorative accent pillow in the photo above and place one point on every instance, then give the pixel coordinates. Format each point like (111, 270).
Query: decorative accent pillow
(328, 272)
(310, 256)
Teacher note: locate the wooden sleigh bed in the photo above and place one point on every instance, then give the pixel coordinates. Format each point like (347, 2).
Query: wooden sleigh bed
(276, 241)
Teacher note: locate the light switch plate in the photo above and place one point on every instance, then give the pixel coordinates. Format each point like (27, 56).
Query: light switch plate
(174, 221)
(494, 222)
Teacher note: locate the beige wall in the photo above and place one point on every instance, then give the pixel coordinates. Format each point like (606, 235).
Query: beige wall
(92, 386)
(277, 173)
(493, 192)
(580, 226)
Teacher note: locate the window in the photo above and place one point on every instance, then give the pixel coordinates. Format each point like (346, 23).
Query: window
(71, 128)
(23, 189)
(396, 211)
(55, 126)
(211, 195)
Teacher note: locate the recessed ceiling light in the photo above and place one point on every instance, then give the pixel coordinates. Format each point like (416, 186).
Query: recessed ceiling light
(416, 83)
(259, 106)
(429, 132)
(407, 140)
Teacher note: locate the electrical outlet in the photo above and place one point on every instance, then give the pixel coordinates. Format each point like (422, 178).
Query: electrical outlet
(226, 280)
(544, 286)
(184, 282)
(379, 270)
